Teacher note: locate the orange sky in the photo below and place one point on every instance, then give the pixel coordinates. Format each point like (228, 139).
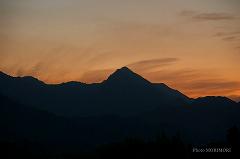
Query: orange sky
(191, 45)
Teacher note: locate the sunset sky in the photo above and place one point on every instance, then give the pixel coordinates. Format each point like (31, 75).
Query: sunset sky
(191, 45)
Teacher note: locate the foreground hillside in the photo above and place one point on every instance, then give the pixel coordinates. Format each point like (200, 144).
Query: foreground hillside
(77, 118)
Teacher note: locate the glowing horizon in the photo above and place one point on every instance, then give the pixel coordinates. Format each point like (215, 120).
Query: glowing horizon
(104, 74)
(192, 46)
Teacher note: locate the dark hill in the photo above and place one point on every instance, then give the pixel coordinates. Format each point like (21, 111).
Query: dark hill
(124, 105)
(123, 93)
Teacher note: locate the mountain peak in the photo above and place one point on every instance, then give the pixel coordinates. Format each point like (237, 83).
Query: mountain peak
(125, 76)
(123, 71)
(215, 100)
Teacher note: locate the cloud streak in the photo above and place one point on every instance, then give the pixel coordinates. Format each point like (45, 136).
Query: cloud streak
(228, 35)
(231, 38)
(195, 83)
(153, 64)
(96, 76)
(213, 16)
(224, 34)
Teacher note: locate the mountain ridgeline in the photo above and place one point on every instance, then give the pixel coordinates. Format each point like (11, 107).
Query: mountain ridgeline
(123, 93)
(124, 105)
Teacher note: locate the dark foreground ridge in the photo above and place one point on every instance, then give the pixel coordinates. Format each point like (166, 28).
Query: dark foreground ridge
(125, 115)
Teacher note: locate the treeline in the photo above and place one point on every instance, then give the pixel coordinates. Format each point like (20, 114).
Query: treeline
(133, 148)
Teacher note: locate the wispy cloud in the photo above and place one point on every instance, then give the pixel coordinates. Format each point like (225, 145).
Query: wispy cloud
(211, 16)
(215, 85)
(96, 76)
(232, 36)
(195, 83)
(223, 34)
(153, 64)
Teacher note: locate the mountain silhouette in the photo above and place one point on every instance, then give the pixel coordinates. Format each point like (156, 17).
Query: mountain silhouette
(115, 95)
(19, 121)
(125, 76)
(123, 105)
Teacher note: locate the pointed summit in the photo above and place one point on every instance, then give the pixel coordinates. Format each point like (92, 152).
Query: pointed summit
(126, 76)
(123, 71)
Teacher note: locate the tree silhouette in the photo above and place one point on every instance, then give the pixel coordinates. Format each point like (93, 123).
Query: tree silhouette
(233, 138)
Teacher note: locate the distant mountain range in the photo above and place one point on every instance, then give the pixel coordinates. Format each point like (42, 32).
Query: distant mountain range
(124, 105)
(123, 93)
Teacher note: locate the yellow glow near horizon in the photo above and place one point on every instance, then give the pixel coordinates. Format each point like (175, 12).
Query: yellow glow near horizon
(191, 45)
